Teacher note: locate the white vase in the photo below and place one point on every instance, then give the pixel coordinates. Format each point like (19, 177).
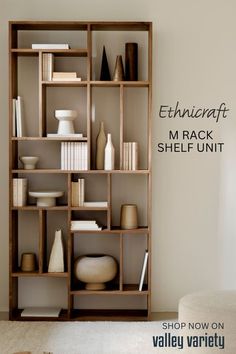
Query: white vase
(56, 260)
(109, 154)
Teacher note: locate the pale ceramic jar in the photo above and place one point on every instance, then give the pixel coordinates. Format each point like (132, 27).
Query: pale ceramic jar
(29, 162)
(129, 216)
(95, 270)
(65, 118)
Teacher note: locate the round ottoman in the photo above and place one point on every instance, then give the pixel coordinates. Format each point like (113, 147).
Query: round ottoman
(209, 322)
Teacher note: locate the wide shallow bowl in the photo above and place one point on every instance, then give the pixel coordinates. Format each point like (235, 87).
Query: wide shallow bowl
(46, 198)
(95, 270)
(65, 114)
(29, 162)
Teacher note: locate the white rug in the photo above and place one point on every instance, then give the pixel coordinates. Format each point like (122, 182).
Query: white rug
(80, 337)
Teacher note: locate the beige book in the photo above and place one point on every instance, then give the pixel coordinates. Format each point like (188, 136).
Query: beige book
(125, 156)
(59, 75)
(134, 164)
(22, 191)
(15, 192)
(81, 191)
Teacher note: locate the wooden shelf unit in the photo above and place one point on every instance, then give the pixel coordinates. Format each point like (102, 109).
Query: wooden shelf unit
(110, 231)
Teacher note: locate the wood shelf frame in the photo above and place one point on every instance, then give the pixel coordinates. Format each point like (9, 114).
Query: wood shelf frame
(89, 85)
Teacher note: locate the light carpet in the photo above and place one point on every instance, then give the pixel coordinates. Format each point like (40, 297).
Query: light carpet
(80, 337)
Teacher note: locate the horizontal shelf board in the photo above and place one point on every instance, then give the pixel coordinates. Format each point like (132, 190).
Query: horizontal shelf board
(90, 208)
(65, 83)
(114, 230)
(119, 83)
(117, 315)
(81, 25)
(56, 52)
(44, 138)
(55, 170)
(35, 207)
(37, 274)
(16, 316)
(128, 289)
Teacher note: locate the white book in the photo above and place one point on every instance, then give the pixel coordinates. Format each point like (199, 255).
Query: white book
(86, 228)
(76, 156)
(86, 156)
(69, 156)
(50, 46)
(41, 312)
(143, 270)
(129, 156)
(14, 117)
(66, 155)
(96, 204)
(62, 156)
(15, 192)
(72, 155)
(81, 222)
(66, 79)
(134, 162)
(19, 117)
(62, 74)
(55, 135)
(125, 156)
(22, 191)
(80, 155)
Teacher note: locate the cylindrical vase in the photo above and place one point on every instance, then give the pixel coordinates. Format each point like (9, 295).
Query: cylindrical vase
(129, 216)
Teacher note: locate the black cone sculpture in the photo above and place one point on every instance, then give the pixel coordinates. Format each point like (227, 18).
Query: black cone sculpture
(105, 72)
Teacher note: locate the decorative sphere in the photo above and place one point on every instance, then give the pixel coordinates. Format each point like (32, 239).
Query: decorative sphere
(95, 270)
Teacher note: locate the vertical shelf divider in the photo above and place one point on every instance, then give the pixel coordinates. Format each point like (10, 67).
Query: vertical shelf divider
(121, 263)
(109, 201)
(121, 124)
(69, 247)
(89, 95)
(42, 98)
(42, 241)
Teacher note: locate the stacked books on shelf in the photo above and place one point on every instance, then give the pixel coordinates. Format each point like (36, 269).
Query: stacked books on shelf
(50, 46)
(77, 192)
(85, 225)
(48, 64)
(18, 128)
(19, 192)
(65, 76)
(130, 156)
(74, 155)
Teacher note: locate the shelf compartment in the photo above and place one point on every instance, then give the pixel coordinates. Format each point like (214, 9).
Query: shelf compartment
(16, 316)
(109, 315)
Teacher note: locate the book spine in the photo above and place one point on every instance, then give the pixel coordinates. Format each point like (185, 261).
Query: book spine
(134, 156)
(14, 117)
(81, 191)
(143, 271)
(80, 156)
(15, 192)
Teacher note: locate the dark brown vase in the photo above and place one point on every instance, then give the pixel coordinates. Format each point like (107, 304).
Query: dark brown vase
(131, 61)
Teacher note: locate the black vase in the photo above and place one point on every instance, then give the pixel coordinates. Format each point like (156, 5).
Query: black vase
(105, 72)
(131, 61)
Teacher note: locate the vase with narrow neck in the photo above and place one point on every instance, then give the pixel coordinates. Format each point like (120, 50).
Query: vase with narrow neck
(109, 154)
(100, 148)
(56, 260)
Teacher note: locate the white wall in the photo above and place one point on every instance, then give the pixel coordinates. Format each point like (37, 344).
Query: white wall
(193, 194)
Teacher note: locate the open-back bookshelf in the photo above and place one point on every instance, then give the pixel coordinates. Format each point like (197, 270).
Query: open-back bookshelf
(112, 232)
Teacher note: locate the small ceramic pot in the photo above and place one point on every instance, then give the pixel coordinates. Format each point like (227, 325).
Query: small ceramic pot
(65, 118)
(129, 216)
(28, 262)
(29, 162)
(95, 270)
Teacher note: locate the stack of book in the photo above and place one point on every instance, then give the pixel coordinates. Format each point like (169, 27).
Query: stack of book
(77, 192)
(19, 192)
(48, 64)
(85, 225)
(17, 117)
(74, 155)
(130, 156)
(65, 76)
(50, 46)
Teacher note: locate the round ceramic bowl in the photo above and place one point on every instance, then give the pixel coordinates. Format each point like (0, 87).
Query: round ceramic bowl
(29, 162)
(95, 270)
(65, 114)
(46, 198)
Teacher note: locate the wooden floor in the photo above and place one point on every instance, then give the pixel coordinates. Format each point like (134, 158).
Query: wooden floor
(156, 316)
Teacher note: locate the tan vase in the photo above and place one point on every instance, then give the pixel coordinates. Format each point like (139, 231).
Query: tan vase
(95, 270)
(28, 262)
(100, 148)
(119, 69)
(129, 216)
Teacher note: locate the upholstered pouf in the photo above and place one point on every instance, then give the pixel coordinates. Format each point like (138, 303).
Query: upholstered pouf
(204, 315)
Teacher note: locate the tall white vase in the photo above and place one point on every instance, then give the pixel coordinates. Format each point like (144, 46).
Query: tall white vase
(109, 163)
(56, 260)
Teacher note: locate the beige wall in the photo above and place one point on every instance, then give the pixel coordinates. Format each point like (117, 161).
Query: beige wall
(194, 200)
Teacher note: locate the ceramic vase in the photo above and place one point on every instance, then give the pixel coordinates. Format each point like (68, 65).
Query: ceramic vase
(131, 61)
(100, 148)
(109, 163)
(56, 260)
(119, 69)
(129, 216)
(28, 262)
(105, 72)
(95, 270)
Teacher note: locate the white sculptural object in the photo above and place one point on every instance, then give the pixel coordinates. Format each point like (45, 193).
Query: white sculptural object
(109, 163)
(56, 260)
